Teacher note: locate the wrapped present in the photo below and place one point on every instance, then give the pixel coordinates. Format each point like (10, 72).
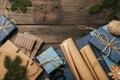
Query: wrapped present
(76, 61)
(107, 44)
(9, 49)
(37, 45)
(82, 42)
(6, 28)
(66, 69)
(107, 60)
(49, 60)
(28, 43)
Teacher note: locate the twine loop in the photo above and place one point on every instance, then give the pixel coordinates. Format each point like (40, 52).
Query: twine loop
(5, 25)
(47, 60)
(109, 44)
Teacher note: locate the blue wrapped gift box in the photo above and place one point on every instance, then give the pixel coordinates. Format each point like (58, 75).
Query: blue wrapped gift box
(80, 43)
(107, 60)
(49, 60)
(6, 27)
(103, 40)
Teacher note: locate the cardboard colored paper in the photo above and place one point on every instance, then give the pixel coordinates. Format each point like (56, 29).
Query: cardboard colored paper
(93, 63)
(76, 61)
(33, 69)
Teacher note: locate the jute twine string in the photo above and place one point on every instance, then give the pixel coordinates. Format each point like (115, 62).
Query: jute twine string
(114, 27)
(47, 60)
(109, 44)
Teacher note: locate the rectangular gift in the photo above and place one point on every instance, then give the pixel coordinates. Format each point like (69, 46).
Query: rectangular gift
(39, 42)
(6, 28)
(28, 43)
(107, 60)
(33, 69)
(49, 60)
(82, 42)
(107, 44)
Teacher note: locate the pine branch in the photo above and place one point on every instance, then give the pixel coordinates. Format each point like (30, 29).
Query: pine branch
(112, 5)
(15, 71)
(20, 4)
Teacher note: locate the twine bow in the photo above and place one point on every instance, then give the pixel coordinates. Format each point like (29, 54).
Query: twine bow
(4, 26)
(109, 44)
(47, 60)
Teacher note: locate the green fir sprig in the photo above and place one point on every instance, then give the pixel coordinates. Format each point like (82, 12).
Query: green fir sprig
(15, 71)
(112, 5)
(20, 5)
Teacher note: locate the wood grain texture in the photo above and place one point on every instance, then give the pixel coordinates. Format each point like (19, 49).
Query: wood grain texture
(53, 33)
(72, 12)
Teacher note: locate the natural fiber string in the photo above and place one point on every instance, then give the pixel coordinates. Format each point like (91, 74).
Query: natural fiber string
(50, 61)
(108, 44)
(5, 25)
(35, 71)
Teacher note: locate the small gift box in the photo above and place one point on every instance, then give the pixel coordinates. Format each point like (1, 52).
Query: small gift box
(107, 44)
(28, 43)
(6, 27)
(107, 60)
(49, 60)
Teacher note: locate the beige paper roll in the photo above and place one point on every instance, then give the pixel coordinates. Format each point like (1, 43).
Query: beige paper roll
(77, 59)
(92, 61)
(70, 61)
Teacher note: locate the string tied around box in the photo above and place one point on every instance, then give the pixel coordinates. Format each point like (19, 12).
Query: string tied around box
(47, 60)
(31, 65)
(109, 44)
(6, 23)
(103, 38)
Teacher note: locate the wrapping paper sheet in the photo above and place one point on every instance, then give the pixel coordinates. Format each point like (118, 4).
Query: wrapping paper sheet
(33, 69)
(75, 61)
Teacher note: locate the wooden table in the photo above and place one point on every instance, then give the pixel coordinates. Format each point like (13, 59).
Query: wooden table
(73, 12)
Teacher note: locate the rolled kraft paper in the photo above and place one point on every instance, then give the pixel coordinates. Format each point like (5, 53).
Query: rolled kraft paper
(93, 62)
(70, 61)
(79, 63)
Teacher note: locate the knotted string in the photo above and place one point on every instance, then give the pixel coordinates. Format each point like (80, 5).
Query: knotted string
(36, 70)
(47, 60)
(5, 25)
(109, 44)
(104, 40)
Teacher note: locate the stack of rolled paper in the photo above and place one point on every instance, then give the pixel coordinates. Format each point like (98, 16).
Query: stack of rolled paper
(83, 63)
(75, 60)
(28, 43)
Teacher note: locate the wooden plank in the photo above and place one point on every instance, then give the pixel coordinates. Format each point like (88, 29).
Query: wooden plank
(52, 33)
(72, 12)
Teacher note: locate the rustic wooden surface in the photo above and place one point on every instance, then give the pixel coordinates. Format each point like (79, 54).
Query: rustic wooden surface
(73, 12)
